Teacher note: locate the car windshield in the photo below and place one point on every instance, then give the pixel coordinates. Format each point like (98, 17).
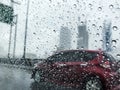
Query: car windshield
(109, 57)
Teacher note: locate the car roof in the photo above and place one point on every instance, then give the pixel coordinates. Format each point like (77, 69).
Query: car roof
(97, 51)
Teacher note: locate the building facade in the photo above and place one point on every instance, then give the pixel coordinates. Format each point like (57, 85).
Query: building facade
(65, 39)
(107, 36)
(82, 39)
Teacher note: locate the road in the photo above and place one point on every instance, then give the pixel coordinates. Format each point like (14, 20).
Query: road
(19, 79)
(14, 79)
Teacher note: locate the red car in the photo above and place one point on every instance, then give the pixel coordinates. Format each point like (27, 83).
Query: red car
(83, 69)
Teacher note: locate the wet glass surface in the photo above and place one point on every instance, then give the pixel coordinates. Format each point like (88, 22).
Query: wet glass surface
(33, 32)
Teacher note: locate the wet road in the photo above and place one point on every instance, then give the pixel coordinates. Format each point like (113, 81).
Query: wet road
(19, 79)
(14, 79)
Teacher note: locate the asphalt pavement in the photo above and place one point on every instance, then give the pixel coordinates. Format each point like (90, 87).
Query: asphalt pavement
(12, 78)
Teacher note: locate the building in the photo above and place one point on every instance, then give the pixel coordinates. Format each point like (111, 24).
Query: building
(65, 39)
(82, 39)
(107, 35)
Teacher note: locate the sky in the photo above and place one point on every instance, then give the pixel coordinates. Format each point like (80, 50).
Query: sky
(46, 18)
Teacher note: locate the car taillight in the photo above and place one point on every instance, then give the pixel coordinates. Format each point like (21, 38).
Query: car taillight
(106, 64)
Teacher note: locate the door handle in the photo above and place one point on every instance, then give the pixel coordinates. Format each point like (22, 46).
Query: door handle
(84, 64)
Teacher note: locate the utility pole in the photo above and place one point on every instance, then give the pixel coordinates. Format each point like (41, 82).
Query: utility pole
(10, 37)
(26, 28)
(15, 36)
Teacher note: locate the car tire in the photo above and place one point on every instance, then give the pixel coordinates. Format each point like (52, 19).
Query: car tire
(38, 76)
(92, 83)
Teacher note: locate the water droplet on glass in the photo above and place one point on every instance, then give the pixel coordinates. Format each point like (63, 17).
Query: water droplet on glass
(101, 41)
(89, 20)
(64, 0)
(34, 33)
(74, 5)
(114, 47)
(78, 18)
(93, 25)
(54, 31)
(115, 28)
(118, 55)
(98, 34)
(82, 47)
(114, 41)
(95, 46)
(100, 27)
(50, 0)
(95, 40)
(107, 43)
(90, 5)
(82, 22)
(77, 1)
(111, 6)
(83, 15)
(99, 8)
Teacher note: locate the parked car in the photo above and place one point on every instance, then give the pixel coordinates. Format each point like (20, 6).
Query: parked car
(83, 69)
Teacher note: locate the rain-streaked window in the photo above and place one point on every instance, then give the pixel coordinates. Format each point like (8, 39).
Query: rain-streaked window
(60, 44)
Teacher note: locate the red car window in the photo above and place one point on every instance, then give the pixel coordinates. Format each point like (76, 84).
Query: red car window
(82, 56)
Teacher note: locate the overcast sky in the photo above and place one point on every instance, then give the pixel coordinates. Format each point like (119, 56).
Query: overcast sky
(47, 16)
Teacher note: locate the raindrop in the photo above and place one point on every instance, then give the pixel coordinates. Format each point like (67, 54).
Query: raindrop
(90, 33)
(78, 10)
(83, 15)
(78, 18)
(64, 0)
(89, 20)
(97, 34)
(90, 5)
(115, 28)
(95, 46)
(68, 17)
(93, 25)
(54, 31)
(114, 41)
(77, 1)
(82, 22)
(74, 5)
(107, 43)
(101, 40)
(68, 11)
(118, 55)
(50, 0)
(34, 33)
(88, 29)
(55, 45)
(82, 47)
(99, 8)
(111, 6)
(114, 47)
(117, 39)
(37, 23)
(95, 40)
(100, 27)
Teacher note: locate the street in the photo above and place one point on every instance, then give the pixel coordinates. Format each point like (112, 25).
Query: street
(14, 79)
(19, 79)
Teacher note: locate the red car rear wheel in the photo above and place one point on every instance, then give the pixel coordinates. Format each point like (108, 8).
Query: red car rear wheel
(92, 83)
